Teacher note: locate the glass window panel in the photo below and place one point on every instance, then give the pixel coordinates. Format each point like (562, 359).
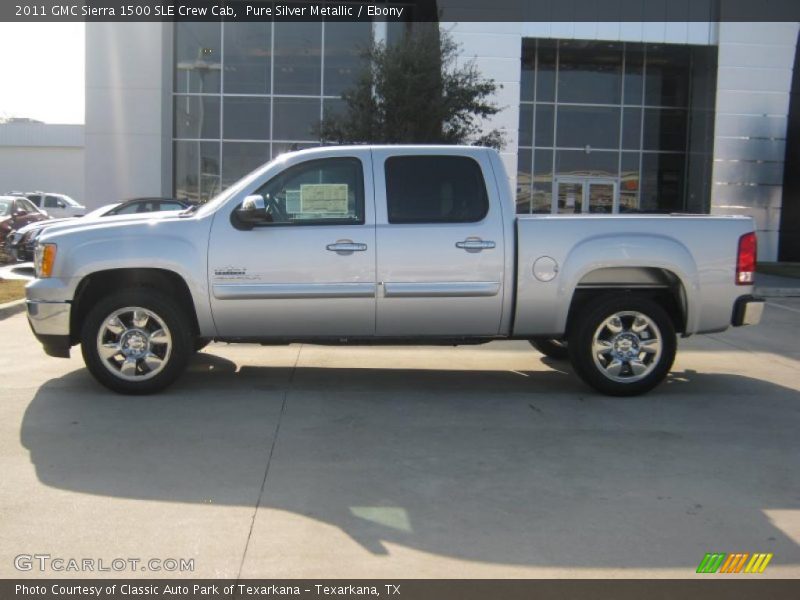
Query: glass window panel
(196, 170)
(542, 201)
(546, 71)
(579, 163)
(315, 192)
(662, 182)
(665, 129)
(667, 79)
(595, 126)
(631, 128)
(543, 166)
(344, 43)
(279, 148)
(197, 57)
(542, 181)
(629, 182)
(524, 181)
(333, 108)
(245, 118)
(247, 57)
(526, 124)
(295, 118)
(544, 124)
(590, 72)
(239, 158)
(528, 70)
(435, 189)
(298, 58)
(634, 73)
(197, 117)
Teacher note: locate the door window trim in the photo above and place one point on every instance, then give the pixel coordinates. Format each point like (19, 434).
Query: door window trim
(360, 196)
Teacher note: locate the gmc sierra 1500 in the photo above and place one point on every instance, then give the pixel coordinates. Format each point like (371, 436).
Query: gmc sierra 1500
(388, 244)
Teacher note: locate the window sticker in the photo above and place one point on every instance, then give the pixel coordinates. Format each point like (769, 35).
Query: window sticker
(324, 199)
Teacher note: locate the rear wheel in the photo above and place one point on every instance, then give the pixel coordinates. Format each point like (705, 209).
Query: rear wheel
(624, 345)
(136, 341)
(555, 349)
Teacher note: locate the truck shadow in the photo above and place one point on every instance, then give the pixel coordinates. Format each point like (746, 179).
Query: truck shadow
(517, 468)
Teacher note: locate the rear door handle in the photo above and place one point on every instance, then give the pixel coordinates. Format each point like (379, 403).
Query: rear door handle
(473, 245)
(346, 247)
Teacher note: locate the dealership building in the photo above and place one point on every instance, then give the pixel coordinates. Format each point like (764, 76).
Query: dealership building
(599, 116)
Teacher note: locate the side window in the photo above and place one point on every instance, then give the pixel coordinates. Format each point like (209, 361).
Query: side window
(51, 202)
(170, 206)
(435, 189)
(318, 192)
(36, 199)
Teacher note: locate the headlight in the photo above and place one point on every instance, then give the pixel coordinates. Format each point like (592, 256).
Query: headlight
(44, 259)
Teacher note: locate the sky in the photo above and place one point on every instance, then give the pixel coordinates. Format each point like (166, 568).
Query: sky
(42, 71)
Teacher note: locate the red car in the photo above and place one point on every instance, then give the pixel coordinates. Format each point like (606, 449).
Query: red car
(16, 212)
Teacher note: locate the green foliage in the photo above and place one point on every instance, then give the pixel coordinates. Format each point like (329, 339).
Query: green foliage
(415, 92)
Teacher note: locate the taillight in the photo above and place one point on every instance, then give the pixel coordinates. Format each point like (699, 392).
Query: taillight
(746, 259)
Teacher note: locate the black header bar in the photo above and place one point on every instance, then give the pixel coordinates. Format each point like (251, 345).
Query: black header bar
(403, 11)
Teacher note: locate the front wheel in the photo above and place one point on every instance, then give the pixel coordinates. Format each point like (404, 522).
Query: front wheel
(136, 341)
(624, 345)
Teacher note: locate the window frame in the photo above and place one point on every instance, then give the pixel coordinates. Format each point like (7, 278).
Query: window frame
(361, 200)
(390, 221)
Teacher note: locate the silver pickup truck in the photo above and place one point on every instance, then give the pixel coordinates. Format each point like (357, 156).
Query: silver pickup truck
(388, 245)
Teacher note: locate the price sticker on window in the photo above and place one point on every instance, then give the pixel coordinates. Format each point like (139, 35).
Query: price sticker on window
(326, 199)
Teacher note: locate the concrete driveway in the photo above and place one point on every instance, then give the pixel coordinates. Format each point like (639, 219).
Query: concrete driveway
(488, 461)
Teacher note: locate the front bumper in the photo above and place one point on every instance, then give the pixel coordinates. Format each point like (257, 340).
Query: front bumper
(747, 311)
(50, 324)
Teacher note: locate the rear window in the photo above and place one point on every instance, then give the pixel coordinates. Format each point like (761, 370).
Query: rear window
(435, 189)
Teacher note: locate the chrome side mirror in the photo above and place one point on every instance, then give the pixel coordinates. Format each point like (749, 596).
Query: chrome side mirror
(253, 210)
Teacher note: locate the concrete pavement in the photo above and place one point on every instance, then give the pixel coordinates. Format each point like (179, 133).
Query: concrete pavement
(488, 461)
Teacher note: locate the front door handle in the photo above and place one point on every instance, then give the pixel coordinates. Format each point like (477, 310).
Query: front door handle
(346, 247)
(475, 245)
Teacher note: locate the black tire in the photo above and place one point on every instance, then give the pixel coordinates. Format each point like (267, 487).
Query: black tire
(200, 343)
(555, 349)
(167, 310)
(654, 365)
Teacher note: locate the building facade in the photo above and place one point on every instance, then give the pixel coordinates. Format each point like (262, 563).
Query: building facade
(599, 117)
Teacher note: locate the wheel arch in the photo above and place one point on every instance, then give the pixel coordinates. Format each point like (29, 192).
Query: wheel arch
(95, 285)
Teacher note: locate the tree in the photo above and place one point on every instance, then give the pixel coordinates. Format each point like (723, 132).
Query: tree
(414, 92)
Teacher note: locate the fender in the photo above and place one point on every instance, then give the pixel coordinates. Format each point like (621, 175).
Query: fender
(629, 250)
(171, 245)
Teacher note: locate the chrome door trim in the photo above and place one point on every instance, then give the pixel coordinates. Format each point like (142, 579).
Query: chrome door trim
(444, 289)
(269, 291)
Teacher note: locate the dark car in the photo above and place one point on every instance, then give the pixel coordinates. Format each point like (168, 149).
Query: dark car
(22, 241)
(16, 212)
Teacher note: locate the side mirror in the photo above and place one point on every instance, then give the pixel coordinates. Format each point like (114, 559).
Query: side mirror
(20, 212)
(61, 204)
(253, 210)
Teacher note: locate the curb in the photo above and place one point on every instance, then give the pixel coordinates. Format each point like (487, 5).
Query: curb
(11, 308)
(772, 292)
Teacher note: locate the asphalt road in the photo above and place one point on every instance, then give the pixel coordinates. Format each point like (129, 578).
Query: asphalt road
(487, 461)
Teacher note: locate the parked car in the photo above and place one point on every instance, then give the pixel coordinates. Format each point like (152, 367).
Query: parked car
(388, 244)
(22, 241)
(57, 205)
(16, 212)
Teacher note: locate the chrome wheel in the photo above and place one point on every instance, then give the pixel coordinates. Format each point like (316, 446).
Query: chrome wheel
(134, 343)
(627, 346)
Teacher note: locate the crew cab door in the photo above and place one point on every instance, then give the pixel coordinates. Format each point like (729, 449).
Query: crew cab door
(309, 270)
(440, 243)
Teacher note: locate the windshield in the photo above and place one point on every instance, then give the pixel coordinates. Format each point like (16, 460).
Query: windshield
(69, 201)
(5, 207)
(99, 212)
